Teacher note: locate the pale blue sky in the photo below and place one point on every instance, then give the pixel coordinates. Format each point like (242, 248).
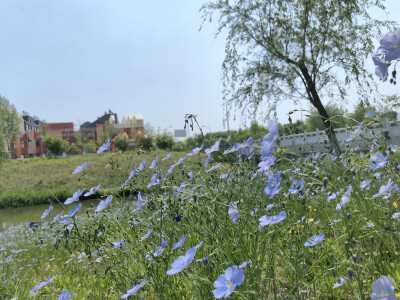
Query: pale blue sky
(70, 61)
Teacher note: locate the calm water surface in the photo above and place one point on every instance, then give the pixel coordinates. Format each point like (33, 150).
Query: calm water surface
(24, 215)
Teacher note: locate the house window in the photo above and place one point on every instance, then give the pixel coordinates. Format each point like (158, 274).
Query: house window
(37, 144)
(22, 144)
(29, 144)
(14, 145)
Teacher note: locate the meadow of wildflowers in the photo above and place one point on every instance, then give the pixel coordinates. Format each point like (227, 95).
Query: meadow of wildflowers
(288, 227)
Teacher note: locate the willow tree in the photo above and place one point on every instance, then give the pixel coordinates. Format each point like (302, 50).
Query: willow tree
(295, 49)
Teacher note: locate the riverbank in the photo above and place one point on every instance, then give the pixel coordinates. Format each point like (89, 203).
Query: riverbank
(42, 180)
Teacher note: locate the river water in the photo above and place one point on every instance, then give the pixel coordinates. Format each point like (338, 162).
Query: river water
(24, 215)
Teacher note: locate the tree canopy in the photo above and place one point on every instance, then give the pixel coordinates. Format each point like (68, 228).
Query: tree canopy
(9, 125)
(294, 49)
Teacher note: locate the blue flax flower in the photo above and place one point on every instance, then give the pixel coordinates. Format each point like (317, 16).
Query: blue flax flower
(135, 289)
(104, 147)
(266, 220)
(378, 161)
(226, 283)
(142, 165)
(154, 163)
(80, 168)
(92, 190)
(35, 290)
(103, 204)
(315, 239)
(390, 46)
(74, 197)
(65, 295)
(146, 235)
(268, 141)
(119, 243)
(180, 242)
(46, 212)
(183, 261)
(71, 213)
(196, 150)
(56, 218)
(168, 156)
(339, 282)
(154, 180)
(213, 168)
(383, 289)
(233, 212)
(273, 185)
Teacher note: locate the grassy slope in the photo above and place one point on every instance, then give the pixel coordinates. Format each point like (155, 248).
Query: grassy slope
(42, 179)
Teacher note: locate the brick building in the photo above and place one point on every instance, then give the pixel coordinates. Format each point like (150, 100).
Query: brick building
(29, 142)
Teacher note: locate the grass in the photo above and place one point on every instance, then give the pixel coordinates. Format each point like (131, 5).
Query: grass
(43, 180)
(280, 265)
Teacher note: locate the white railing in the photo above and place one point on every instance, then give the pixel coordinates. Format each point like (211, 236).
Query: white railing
(318, 141)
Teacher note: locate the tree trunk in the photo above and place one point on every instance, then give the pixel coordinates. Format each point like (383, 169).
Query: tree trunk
(316, 102)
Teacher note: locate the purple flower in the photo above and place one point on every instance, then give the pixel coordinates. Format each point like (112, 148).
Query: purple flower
(365, 183)
(92, 190)
(263, 166)
(370, 224)
(159, 250)
(56, 218)
(233, 212)
(383, 289)
(390, 45)
(46, 212)
(75, 197)
(395, 215)
(191, 176)
(381, 69)
(168, 156)
(384, 189)
(154, 180)
(104, 147)
(71, 213)
(80, 168)
(180, 242)
(370, 114)
(146, 235)
(142, 165)
(378, 161)
(135, 289)
(235, 148)
(169, 172)
(268, 141)
(273, 185)
(340, 282)
(213, 168)
(183, 261)
(40, 285)
(140, 202)
(353, 134)
(103, 204)
(226, 283)
(65, 295)
(244, 265)
(315, 239)
(119, 243)
(154, 163)
(266, 220)
(296, 186)
(195, 150)
(270, 206)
